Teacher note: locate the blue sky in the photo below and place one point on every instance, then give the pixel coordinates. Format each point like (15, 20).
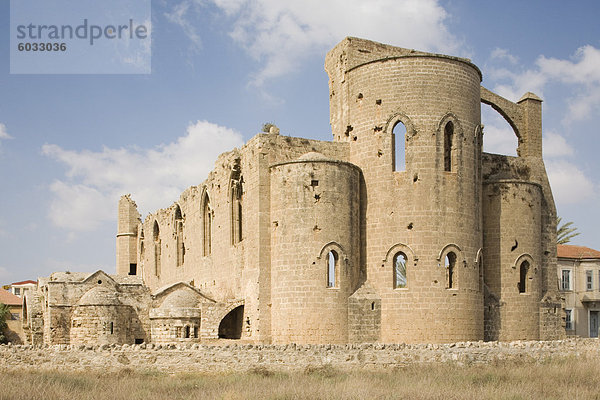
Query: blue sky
(70, 145)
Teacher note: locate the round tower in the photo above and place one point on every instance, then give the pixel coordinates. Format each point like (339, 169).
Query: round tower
(513, 259)
(315, 248)
(413, 123)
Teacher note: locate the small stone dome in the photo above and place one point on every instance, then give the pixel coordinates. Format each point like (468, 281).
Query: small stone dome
(312, 156)
(182, 298)
(99, 296)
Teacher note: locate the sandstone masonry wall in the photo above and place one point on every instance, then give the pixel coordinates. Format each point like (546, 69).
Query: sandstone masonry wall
(235, 358)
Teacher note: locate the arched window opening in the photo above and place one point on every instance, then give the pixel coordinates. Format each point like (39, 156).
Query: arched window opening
(231, 325)
(332, 266)
(179, 236)
(448, 143)
(236, 208)
(400, 280)
(207, 216)
(500, 136)
(157, 249)
(186, 332)
(480, 265)
(523, 275)
(450, 264)
(399, 140)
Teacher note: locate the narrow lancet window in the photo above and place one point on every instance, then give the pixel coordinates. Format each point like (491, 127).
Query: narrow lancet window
(236, 207)
(207, 216)
(523, 275)
(179, 236)
(400, 280)
(399, 138)
(332, 266)
(448, 142)
(157, 249)
(450, 263)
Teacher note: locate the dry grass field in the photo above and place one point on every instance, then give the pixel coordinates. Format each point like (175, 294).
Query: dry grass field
(561, 378)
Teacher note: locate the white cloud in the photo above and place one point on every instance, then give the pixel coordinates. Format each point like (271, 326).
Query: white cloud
(556, 146)
(581, 75)
(569, 184)
(498, 136)
(94, 181)
(503, 54)
(3, 134)
(499, 140)
(179, 16)
(280, 34)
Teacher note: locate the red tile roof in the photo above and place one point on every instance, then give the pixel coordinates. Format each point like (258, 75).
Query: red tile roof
(24, 283)
(9, 299)
(576, 252)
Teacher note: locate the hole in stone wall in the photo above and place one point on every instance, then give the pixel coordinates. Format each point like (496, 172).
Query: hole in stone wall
(99, 282)
(314, 183)
(372, 305)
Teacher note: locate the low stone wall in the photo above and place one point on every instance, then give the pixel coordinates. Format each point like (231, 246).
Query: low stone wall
(241, 357)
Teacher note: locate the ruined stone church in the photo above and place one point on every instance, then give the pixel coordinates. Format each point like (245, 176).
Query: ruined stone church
(401, 229)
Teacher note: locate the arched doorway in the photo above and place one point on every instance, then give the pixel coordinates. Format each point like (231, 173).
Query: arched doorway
(231, 325)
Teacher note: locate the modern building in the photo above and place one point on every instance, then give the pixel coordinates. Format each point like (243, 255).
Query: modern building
(579, 275)
(14, 321)
(19, 288)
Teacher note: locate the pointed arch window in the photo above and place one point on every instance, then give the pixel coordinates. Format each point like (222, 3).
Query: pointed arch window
(480, 266)
(523, 276)
(450, 264)
(399, 136)
(157, 248)
(207, 225)
(400, 279)
(236, 197)
(332, 268)
(178, 219)
(448, 144)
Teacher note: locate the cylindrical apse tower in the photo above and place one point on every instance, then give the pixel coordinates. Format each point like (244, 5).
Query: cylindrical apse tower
(315, 248)
(413, 123)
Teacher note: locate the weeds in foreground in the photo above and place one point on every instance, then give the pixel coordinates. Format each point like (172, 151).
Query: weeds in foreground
(561, 378)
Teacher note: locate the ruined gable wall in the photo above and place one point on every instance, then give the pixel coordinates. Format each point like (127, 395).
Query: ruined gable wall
(232, 271)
